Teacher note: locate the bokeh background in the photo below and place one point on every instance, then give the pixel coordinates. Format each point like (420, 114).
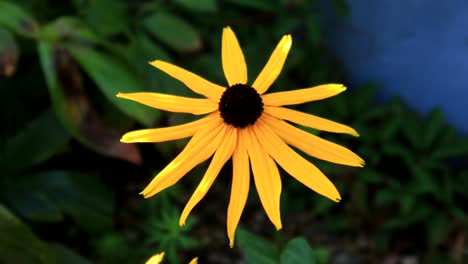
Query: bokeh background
(69, 188)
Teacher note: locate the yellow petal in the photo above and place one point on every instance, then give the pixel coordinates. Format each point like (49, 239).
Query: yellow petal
(234, 66)
(200, 148)
(156, 259)
(274, 65)
(298, 167)
(240, 186)
(191, 80)
(194, 261)
(266, 177)
(309, 120)
(222, 154)
(302, 95)
(172, 103)
(313, 145)
(168, 133)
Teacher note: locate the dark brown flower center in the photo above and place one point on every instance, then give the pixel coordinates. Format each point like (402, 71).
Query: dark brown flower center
(240, 105)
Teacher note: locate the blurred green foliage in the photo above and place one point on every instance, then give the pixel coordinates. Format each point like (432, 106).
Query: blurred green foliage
(412, 192)
(69, 188)
(261, 251)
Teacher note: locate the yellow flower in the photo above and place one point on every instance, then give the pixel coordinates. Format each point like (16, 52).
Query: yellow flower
(248, 125)
(158, 258)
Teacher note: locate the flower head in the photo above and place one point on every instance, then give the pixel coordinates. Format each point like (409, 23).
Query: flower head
(244, 123)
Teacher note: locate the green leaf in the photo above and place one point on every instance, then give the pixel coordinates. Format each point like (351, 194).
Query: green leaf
(208, 6)
(86, 199)
(386, 197)
(369, 175)
(18, 244)
(412, 128)
(32, 205)
(418, 215)
(434, 127)
(314, 29)
(149, 50)
(208, 66)
(382, 240)
(256, 249)
(188, 242)
(322, 255)
(437, 229)
(407, 203)
(261, 5)
(373, 113)
(107, 17)
(390, 129)
(114, 247)
(297, 251)
(113, 77)
(395, 148)
(459, 214)
(69, 29)
(24, 149)
(82, 196)
(363, 97)
(51, 194)
(71, 105)
(424, 181)
(371, 154)
(460, 184)
(67, 256)
(360, 196)
(452, 148)
(173, 31)
(446, 191)
(9, 53)
(17, 19)
(141, 50)
(323, 206)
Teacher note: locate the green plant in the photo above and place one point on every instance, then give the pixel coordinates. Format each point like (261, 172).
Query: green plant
(255, 249)
(164, 232)
(415, 171)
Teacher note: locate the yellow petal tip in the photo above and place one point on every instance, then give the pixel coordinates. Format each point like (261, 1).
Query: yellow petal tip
(123, 95)
(363, 163)
(155, 63)
(335, 197)
(145, 194)
(337, 87)
(125, 138)
(288, 43)
(278, 226)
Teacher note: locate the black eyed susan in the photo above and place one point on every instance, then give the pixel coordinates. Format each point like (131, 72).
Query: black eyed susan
(244, 123)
